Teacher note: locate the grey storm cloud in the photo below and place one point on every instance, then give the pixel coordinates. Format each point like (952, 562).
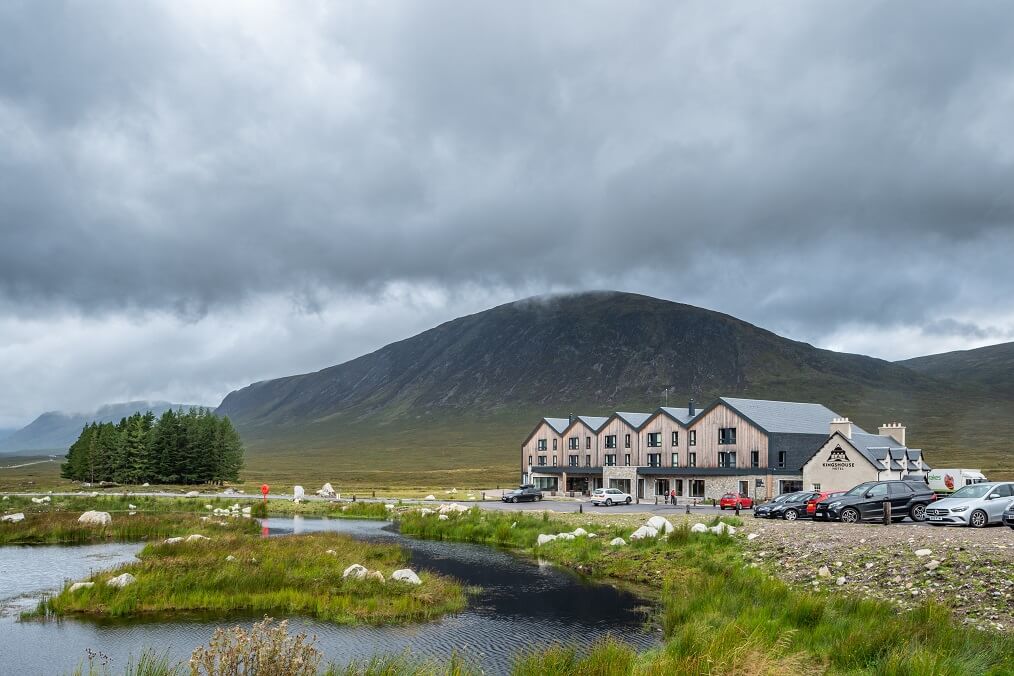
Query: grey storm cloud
(806, 166)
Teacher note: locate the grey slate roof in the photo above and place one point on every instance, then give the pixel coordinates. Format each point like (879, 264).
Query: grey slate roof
(635, 420)
(884, 452)
(593, 421)
(786, 417)
(558, 424)
(681, 414)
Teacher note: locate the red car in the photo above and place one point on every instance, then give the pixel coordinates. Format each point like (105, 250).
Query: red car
(733, 500)
(811, 504)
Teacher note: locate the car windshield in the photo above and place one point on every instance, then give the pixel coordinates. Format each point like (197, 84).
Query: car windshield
(860, 489)
(973, 491)
(783, 497)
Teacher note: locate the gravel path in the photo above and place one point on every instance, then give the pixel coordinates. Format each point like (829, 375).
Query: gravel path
(970, 570)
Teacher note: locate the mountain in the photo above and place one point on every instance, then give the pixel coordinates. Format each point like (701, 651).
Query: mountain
(465, 393)
(989, 368)
(56, 431)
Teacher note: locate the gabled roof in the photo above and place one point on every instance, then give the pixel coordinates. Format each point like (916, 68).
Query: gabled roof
(681, 415)
(595, 422)
(635, 420)
(783, 417)
(883, 452)
(558, 424)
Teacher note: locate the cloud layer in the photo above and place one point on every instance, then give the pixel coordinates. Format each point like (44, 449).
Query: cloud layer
(175, 177)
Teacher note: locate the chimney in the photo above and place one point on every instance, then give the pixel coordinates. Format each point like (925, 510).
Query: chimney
(843, 425)
(895, 430)
(571, 419)
(690, 408)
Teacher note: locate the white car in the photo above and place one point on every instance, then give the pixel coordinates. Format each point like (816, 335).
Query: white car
(610, 497)
(974, 505)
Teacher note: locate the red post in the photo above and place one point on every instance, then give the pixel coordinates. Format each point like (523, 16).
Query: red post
(264, 491)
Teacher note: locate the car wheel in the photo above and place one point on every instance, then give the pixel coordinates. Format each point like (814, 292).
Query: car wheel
(609, 502)
(918, 512)
(790, 515)
(514, 500)
(978, 519)
(538, 498)
(628, 501)
(850, 515)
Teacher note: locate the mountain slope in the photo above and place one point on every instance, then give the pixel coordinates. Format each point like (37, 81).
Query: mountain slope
(990, 368)
(56, 431)
(465, 393)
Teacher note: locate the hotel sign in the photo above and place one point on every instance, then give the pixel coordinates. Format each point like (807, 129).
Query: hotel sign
(838, 460)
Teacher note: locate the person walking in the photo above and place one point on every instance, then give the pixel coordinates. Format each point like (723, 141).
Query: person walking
(672, 496)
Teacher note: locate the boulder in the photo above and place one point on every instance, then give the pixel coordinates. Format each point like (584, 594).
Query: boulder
(406, 575)
(196, 537)
(840, 581)
(230, 558)
(643, 532)
(443, 517)
(932, 565)
(13, 518)
(327, 491)
(173, 541)
(376, 576)
(93, 518)
(80, 585)
(7, 497)
(578, 532)
(208, 507)
(355, 571)
(923, 552)
(41, 500)
(751, 536)
(298, 493)
(564, 536)
(592, 535)
(617, 542)
(723, 527)
(661, 524)
(389, 506)
(543, 539)
(145, 485)
(121, 581)
(698, 528)
(430, 497)
(129, 506)
(426, 511)
(192, 494)
(247, 510)
(331, 552)
(823, 571)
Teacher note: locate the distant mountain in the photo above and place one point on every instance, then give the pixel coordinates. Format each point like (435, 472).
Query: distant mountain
(990, 368)
(56, 431)
(465, 393)
(4, 433)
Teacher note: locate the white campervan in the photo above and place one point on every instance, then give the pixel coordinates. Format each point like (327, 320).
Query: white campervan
(950, 480)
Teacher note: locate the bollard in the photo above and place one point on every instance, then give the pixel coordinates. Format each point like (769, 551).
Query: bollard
(656, 499)
(484, 496)
(374, 493)
(737, 508)
(887, 512)
(580, 508)
(353, 497)
(688, 508)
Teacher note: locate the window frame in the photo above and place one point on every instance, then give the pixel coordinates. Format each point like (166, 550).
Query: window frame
(692, 438)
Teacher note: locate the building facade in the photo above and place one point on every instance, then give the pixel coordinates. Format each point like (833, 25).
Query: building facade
(755, 447)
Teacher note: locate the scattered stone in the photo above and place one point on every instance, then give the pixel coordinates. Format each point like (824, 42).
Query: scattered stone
(660, 524)
(565, 536)
(406, 575)
(376, 576)
(698, 528)
(192, 494)
(643, 532)
(80, 585)
(591, 535)
(13, 518)
(932, 565)
(752, 536)
(145, 485)
(869, 565)
(121, 581)
(514, 525)
(196, 537)
(130, 506)
(247, 510)
(7, 497)
(443, 517)
(388, 506)
(543, 539)
(173, 541)
(578, 532)
(41, 500)
(617, 542)
(840, 581)
(230, 558)
(723, 527)
(453, 507)
(93, 518)
(355, 571)
(331, 552)
(923, 552)
(430, 497)
(327, 491)
(824, 571)
(298, 493)
(426, 510)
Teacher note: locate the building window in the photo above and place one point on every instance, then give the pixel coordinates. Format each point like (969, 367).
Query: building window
(697, 488)
(626, 460)
(610, 459)
(781, 458)
(726, 459)
(574, 443)
(675, 438)
(587, 443)
(816, 487)
(554, 444)
(542, 445)
(675, 459)
(691, 459)
(654, 460)
(744, 488)
(693, 438)
(587, 460)
(677, 485)
(529, 461)
(654, 439)
(610, 441)
(542, 461)
(626, 441)
(727, 436)
(554, 461)
(572, 461)
(755, 458)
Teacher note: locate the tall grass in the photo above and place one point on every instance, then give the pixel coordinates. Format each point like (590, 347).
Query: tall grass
(62, 527)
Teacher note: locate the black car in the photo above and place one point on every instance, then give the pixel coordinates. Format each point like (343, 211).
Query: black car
(789, 506)
(866, 502)
(1008, 515)
(523, 492)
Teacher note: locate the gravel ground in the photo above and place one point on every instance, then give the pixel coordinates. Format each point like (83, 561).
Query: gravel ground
(970, 570)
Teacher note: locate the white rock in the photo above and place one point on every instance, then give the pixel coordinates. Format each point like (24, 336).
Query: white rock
(923, 552)
(173, 541)
(869, 565)
(13, 518)
(192, 494)
(196, 537)
(840, 581)
(564, 536)
(578, 532)
(617, 542)
(247, 510)
(453, 507)
(121, 581)
(698, 528)
(406, 575)
(443, 517)
(327, 491)
(376, 576)
(592, 535)
(93, 518)
(129, 506)
(208, 507)
(230, 558)
(932, 565)
(823, 571)
(430, 497)
(454, 490)
(752, 536)
(643, 532)
(355, 571)
(661, 524)
(80, 585)
(41, 500)
(298, 493)
(145, 485)
(543, 539)
(388, 506)
(426, 510)
(7, 497)
(514, 525)
(235, 507)
(723, 527)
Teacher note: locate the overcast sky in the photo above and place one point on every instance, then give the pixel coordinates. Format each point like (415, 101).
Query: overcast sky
(198, 195)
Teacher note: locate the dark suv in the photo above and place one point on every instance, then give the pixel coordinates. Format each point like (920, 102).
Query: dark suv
(523, 492)
(866, 502)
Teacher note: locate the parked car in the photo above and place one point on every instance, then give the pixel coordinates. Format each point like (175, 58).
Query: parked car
(734, 500)
(610, 497)
(763, 511)
(811, 505)
(523, 492)
(975, 505)
(1008, 516)
(792, 507)
(866, 501)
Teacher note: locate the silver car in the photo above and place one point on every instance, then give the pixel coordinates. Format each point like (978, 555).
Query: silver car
(976, 505)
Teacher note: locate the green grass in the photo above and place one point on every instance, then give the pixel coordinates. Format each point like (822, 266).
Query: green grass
(290, 575)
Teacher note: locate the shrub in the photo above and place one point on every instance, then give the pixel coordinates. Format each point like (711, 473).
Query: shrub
(264, 650)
